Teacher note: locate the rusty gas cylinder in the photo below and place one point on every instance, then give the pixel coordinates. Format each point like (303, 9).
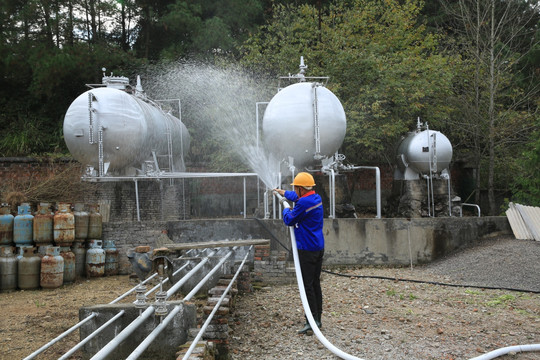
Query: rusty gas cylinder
(81, 222)
(111, 258)
(29, 268)
(64, 225)
(95, 259)
(6, 225)
(52, 268)
(43, 225)
(95, 223)
(69, 264)
(79, 250)
(8, 269)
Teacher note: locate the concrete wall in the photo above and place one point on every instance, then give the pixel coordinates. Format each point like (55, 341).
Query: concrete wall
(348, 241)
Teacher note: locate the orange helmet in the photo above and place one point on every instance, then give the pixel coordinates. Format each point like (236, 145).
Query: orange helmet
(303, 179)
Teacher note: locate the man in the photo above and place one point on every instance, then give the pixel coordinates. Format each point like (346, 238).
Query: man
(307, 219)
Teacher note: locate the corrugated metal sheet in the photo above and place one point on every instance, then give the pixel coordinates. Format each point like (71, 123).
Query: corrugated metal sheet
(524, 221)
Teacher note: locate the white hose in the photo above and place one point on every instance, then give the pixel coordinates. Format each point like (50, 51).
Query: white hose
(506, 350)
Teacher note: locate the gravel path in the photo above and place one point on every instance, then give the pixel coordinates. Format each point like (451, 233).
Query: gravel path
(384, 319)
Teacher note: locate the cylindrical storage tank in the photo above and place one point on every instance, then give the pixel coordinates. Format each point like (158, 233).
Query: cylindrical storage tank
(6, 225)
(23, 226)
(81, 222)
(8, 269)
(80, 258)
(419, 150)
(43, 225)
(95, 223)
(29, 269)
(304, 120)
(95, 259)
(111, 258)
(64, 225)
(132, 126)
(69, 264)
(52, 268)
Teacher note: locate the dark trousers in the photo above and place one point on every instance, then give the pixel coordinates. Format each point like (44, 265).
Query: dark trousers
(311, 265)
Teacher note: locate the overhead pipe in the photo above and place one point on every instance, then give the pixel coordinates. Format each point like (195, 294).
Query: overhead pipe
(123, 335)
(214, 310)
(303, 297)
(158, 329)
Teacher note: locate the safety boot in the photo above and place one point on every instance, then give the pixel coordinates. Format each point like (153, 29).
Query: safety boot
(306, 329)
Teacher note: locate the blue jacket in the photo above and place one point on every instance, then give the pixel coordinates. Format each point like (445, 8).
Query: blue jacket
(307, 218)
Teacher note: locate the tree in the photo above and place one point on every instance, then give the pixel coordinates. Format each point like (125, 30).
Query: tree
(496, 112)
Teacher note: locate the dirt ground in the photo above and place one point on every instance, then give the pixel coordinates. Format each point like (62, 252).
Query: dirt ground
(366, 317)
(32, 318)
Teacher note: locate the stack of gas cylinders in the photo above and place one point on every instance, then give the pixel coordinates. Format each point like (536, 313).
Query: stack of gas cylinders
(48, 249)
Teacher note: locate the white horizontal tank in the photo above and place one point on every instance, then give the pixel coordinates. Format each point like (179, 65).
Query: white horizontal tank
(305, 121)
(127, 127)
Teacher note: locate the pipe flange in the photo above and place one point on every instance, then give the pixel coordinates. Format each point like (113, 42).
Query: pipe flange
(140, 302)
(161, 304)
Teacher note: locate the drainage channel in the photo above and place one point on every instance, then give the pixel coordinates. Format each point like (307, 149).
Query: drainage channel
(150, 309)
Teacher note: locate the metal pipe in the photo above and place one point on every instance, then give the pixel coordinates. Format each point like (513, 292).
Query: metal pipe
(303, 297)
(60, 337)
(186, 277)
(152, 336)
(465, 204)
(91, 336)
(124, 334)
(132, 290)
(216, 307)
(158, 329)
(207, 277)
(137, 200)
(449, 197)
(377, 185)
(332, 186)
(115, 342)
(245, 207)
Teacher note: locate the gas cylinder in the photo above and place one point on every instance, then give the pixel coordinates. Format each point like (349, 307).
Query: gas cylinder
(43, 225)
(23, 226)
(80, 257)
(8, 269)
(94, 223)
(81, 221)
(111, 258)
(95, 259)
(52, 268)
(29, 267)
(69, 264)
(64, 225)
(6, 225)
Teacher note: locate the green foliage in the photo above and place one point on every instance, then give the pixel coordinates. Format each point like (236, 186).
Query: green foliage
(526, 184)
